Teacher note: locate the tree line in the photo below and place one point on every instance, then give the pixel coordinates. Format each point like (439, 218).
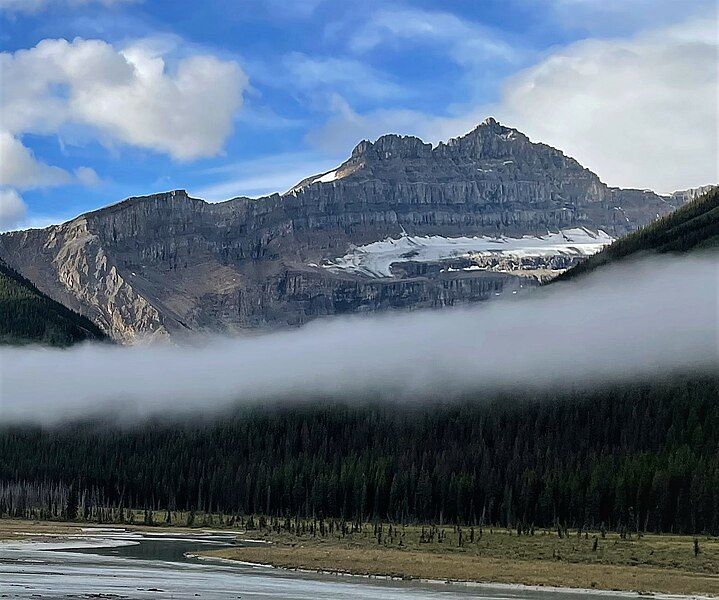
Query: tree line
(633, 457)
(692, 227)
(29, 316)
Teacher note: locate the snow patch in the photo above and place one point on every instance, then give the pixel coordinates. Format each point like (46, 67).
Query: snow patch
(376, 259)
(326, 178)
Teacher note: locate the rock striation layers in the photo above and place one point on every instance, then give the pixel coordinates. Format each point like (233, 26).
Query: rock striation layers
(167, 263)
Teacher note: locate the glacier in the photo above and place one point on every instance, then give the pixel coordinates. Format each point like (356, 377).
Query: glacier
(376, 259)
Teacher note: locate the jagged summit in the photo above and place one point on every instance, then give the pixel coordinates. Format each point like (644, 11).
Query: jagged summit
(165, 263)
(490, 126)
(489, 152)
(393, 145)
(489, 139)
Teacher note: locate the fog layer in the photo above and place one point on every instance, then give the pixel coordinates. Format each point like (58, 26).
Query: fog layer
(642, 319)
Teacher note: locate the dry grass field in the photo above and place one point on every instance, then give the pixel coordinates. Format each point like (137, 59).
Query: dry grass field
(650, 563)
(647, 563)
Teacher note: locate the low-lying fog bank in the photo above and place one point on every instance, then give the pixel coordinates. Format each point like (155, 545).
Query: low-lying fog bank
(643, 319)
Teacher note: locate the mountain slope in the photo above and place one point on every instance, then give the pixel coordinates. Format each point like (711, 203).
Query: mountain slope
(29, 316)
(167, 263)
(694, 226)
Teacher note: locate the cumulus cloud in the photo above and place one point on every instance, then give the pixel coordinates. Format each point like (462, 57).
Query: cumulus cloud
(643, 320)
(87, 176)
(12, 209)
(640, 112)
(127, 95)
(19, 167)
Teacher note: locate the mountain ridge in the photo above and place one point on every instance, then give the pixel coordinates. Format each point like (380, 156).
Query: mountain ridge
(386, 143)
(169, 263)
(692, 227)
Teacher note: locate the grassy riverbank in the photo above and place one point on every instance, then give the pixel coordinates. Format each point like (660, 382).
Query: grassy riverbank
(650, 563)
(647, 563)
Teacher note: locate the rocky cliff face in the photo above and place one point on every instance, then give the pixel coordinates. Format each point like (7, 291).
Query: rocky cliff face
(683, 196)
(167, 263)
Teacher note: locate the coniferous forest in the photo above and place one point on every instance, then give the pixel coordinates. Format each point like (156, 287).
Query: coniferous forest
(693, 227)
(642, 456)
(29, 316)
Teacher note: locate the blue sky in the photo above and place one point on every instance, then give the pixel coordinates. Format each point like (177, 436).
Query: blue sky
(103, 99)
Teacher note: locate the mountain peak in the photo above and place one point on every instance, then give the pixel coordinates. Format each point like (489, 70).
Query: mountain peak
(489, 126)
(392, 145)
(160, 264)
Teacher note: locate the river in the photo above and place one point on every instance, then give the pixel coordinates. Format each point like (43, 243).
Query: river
(116, 564)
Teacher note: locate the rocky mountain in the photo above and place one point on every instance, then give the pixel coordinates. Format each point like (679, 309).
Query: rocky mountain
(477, 216)
(692, 228)
(692, 193)
(29, 316)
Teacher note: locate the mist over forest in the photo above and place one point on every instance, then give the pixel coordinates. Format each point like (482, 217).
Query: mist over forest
(606, 328)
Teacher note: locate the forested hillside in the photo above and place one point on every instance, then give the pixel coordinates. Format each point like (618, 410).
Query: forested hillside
(694, 226)
(29, 316)
(636, 456)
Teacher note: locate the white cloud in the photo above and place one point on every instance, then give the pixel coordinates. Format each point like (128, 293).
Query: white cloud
(332, 73)
(640, 112)
(19, 168)
(12, 209)
(128, 95)
(262, 176)
(467, 43)
(87, 176)
(341, 132)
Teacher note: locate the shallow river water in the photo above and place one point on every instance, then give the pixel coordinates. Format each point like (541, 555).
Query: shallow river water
(114, 564)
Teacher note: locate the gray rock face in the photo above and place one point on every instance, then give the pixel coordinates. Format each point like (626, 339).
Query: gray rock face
(167, 263)
(682, 196)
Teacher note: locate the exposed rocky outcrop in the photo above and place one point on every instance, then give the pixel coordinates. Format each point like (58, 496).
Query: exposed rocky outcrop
(69, 263)
(683, 196)
(168, 263)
